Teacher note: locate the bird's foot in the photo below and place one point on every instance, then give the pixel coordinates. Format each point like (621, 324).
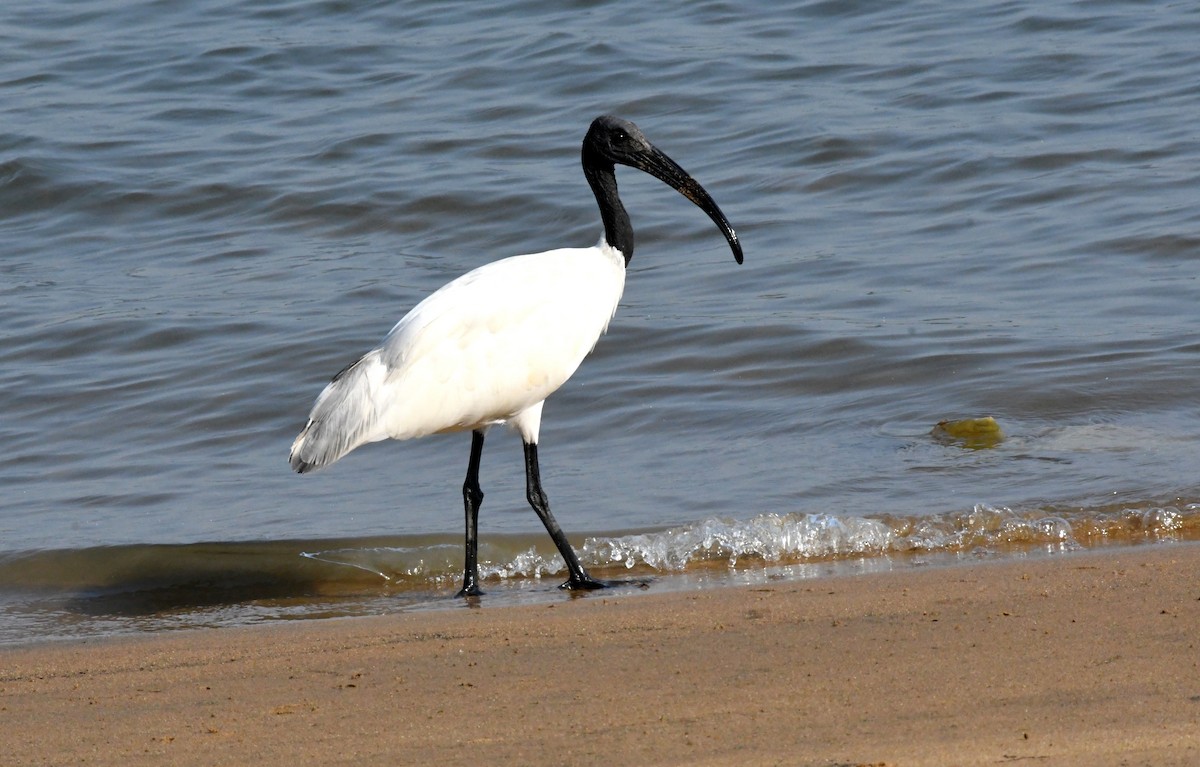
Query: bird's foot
(470, 589)
(583, 583)
(588, 583)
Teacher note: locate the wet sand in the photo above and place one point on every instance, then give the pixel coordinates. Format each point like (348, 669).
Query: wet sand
(1082, 659)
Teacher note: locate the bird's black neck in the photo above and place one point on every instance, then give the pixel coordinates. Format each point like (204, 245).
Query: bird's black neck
(602, 178)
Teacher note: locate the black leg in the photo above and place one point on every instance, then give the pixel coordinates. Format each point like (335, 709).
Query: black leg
(579, 579)
(472, 498)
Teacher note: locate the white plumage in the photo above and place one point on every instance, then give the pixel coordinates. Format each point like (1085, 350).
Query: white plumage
(485, 349)
(490, 346)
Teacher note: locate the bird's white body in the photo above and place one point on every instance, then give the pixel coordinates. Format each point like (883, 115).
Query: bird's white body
(487, 348)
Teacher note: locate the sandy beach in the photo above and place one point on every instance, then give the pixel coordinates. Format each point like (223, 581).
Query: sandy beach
(1081, 659)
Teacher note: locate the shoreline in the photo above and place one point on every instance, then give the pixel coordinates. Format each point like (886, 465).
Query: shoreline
(1084, 658)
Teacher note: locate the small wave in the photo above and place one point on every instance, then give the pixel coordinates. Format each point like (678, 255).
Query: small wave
(142, 587)
(774, 539)
(416, 563)
(798, 538)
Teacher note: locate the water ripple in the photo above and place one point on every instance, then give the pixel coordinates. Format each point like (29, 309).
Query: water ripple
(947, 213)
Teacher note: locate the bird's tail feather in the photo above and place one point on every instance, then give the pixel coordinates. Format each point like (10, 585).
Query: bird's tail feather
(343, 417)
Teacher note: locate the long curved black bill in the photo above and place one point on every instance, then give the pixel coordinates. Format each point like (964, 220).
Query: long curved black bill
(666, 170)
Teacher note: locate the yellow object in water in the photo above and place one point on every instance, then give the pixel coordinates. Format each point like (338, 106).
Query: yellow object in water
(974, 433)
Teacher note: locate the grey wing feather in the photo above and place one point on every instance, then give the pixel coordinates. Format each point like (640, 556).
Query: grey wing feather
(343, 417)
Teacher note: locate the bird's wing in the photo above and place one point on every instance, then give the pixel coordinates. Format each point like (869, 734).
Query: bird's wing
(345, 415)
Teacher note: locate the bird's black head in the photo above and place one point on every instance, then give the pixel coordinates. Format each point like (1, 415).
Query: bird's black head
(617, 141)
(613, 140)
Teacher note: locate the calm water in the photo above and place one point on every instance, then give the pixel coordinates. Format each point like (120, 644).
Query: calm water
(948, 211)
